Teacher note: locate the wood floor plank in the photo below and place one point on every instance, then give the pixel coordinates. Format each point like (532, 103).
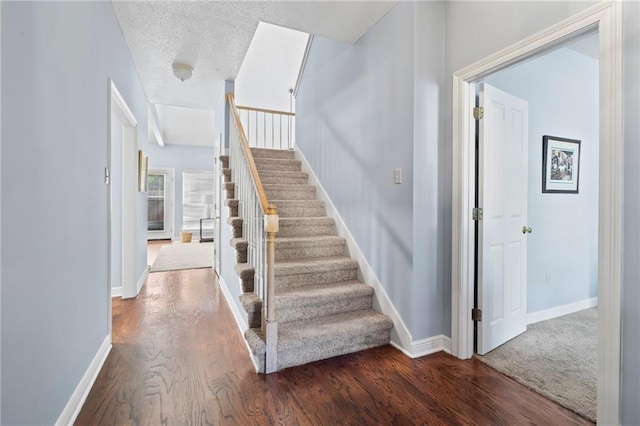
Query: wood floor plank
(178, 358)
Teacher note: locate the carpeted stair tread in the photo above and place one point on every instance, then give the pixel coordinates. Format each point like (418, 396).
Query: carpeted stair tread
(304, 341)
(322, 300)
(290, 192)
(291, 248)
(299, 208)
(314, 265)
(272, 153)
(277, 164)
(306, 226)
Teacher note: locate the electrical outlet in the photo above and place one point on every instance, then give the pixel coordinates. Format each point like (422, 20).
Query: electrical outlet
(397, 176)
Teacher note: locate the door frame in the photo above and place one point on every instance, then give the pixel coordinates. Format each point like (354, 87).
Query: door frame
(170, 193)
(117, 104)
(607, 18)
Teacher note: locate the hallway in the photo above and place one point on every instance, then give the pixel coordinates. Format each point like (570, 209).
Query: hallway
(178, 358)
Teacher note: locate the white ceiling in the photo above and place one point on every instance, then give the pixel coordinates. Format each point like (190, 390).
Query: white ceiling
(214, 37)
(186, 126)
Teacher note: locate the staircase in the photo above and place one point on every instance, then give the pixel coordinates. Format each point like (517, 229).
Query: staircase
(322, 309)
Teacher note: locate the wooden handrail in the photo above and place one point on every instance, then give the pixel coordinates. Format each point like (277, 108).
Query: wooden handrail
(268, 111)
(257, 183)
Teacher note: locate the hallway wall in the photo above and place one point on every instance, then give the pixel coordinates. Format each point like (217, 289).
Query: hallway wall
(56, 61)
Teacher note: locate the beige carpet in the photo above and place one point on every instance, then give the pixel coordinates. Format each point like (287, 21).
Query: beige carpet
(177, 256)
(556, 358)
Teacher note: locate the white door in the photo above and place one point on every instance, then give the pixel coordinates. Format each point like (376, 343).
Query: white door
(503, 230)
(160, 187)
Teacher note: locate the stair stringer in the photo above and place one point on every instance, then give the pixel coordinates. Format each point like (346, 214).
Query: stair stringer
(400, 335)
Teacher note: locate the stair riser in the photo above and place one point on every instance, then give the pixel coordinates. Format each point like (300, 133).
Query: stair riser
(328, 250)
(230, 194)
(276, 154)
(322, 308)
(246, 285)
(297, 355)
(283, 180)
(285, 282)
(300, 211)
(233, 211)
(292, 194)
(305, 230)
(285, 165)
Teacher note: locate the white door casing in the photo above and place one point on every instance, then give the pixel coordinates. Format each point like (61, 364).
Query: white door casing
(118, 106)
(502, 245)
(217, 166)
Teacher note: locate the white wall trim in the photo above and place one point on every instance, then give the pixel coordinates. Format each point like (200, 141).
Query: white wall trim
(303, 65)
(427, 346)
(606, 16)
(560, 311)
(116, 291)
(142, 279)
(79, 396)
(237, 315)
(116, 97)
(365, 272)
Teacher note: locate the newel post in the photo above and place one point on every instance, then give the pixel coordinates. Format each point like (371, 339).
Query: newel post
(269, 316)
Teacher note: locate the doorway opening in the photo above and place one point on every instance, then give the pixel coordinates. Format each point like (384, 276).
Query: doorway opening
(122, 178)
(160, 210)
(606, 18)
(537, 168)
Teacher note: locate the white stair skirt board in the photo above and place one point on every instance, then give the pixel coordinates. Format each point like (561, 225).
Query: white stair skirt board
(560, 311)
(404, 340)
(116, 292)
(237, 315)
(427, 346)
(79, 396)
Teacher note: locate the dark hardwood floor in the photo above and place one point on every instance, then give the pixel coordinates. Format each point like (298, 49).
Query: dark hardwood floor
(178, 358)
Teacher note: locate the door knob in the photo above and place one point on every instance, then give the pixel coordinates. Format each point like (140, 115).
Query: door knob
(526, 230)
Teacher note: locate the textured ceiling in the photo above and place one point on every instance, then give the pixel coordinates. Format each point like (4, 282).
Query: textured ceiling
(214, 36)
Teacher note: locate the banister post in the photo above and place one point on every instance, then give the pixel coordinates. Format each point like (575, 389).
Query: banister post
(270, 320)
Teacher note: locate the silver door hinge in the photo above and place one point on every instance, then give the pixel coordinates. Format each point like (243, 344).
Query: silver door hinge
(477, 213)
(107, 176)
(476, 314)
(478, 113)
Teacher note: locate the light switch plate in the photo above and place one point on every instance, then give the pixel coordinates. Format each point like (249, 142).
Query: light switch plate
(397, 176)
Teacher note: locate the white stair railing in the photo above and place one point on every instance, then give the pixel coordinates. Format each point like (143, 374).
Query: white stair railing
(266, 128)
(260, 225)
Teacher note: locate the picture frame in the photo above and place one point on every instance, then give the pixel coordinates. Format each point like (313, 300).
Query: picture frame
(560, 165)
(143, 171)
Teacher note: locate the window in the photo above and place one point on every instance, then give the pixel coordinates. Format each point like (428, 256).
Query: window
(197, 197)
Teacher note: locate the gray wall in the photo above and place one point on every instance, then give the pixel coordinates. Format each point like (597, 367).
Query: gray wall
(631, 272)
(561, 88)
(355, 126)
(180, 158)
(56, 59)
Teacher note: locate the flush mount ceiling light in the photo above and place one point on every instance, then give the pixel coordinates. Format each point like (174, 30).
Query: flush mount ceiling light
(182, 71)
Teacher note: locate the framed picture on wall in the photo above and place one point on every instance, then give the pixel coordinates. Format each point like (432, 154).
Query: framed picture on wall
(560, 165)
(143, 171)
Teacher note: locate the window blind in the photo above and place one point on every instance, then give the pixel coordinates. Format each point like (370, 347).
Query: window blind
(197, 197)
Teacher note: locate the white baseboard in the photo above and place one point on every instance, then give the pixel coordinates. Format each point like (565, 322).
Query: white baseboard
(237, 315)
(116, 291)
(79, 396)
(143, 278)
(426, 346)
(366, 272)
(559, 311)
